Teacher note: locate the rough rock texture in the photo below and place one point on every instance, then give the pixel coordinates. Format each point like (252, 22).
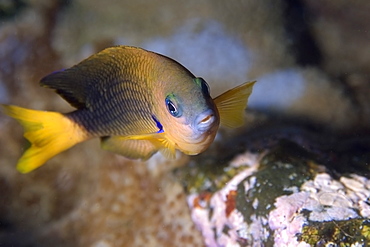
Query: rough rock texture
(311, 63)
(281, 197)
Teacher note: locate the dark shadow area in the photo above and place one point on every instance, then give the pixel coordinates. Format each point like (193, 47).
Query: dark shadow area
(345, 151)
(301, 42)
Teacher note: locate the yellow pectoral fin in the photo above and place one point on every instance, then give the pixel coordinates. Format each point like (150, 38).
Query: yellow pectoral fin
(139, 146)
(166, 148)
(133, 149)
(232, 103)
(161, 142)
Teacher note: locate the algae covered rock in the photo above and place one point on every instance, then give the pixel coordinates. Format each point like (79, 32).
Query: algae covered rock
(280, 196)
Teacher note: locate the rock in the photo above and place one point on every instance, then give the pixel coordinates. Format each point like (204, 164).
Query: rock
(282, 196)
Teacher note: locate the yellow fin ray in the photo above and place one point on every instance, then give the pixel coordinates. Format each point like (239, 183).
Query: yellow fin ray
(140, 146)
(133, 149)
(160, 141)
(232, 103)
(48, 132)
(167, 149)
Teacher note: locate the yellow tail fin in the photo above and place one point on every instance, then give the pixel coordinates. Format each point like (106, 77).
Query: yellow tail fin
(49, 133)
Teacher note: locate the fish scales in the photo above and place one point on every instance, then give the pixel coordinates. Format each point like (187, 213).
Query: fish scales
(127, 112)
(130, 98)
(116, 106)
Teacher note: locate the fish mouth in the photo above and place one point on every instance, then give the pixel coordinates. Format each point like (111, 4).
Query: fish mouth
(205, 120)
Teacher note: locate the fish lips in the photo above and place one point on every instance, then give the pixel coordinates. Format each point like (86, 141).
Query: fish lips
(200, 135)
(206, 121)
(205, 127)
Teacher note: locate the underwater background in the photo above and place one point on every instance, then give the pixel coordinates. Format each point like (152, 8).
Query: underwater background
(305, 147)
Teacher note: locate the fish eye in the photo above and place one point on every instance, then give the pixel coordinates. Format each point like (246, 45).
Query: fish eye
(205, 87)
(203, 84)
(172, 109)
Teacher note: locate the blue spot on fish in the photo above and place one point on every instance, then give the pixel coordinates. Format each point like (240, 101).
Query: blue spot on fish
(159, 125)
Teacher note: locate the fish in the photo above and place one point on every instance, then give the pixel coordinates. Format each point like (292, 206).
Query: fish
(136, 101)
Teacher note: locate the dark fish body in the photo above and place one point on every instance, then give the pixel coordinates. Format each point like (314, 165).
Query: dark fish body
(115, 90)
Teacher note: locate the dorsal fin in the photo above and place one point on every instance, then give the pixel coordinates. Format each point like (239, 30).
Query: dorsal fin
(88, 79)
(67, 85)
